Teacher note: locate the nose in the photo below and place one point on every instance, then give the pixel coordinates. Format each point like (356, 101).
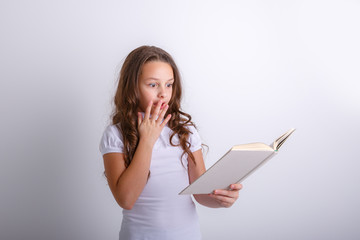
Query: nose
(162, 92)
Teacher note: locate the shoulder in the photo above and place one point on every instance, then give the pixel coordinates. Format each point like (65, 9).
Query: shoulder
(113, 130)
(194, 138)
(111, 140)
(192, 128)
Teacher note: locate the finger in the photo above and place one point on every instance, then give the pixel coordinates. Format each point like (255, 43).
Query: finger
(226, 204)
(165, 120)
(223, 201)
(139, 118)
(236, 186)
(148, 110)
(157, 110)
(224, 198)
(227, 193)
(162, 114)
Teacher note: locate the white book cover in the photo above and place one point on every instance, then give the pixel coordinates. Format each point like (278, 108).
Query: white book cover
(236, 165)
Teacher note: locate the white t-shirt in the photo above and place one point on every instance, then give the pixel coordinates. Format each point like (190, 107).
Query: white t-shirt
(160, 213)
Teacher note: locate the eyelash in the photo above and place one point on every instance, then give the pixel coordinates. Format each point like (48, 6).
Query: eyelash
(154, 85)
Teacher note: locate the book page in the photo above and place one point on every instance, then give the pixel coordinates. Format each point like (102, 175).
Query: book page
(278, 142)
(252, 146)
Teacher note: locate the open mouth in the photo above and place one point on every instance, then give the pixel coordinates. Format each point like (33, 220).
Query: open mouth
(162, 105)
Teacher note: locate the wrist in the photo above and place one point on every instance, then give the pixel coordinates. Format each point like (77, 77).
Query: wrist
(147, 143)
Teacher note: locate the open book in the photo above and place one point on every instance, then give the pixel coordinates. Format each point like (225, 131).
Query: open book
(236, 165)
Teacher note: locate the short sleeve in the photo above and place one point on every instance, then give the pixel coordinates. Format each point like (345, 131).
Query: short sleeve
(111, 141)
(195, 139)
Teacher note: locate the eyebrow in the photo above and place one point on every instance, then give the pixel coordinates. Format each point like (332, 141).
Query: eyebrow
(157, 79)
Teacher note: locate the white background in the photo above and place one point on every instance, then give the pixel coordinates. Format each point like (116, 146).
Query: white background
(251, 70)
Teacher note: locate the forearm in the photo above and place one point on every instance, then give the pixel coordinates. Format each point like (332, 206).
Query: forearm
(133, 180)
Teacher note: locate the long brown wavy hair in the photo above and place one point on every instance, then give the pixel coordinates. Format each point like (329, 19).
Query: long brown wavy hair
(126, 102)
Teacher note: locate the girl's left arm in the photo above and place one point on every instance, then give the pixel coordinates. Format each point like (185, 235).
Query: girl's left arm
(218, 198)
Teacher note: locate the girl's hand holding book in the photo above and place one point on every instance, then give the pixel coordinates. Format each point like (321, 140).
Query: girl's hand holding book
(226, 198)
(150, 127)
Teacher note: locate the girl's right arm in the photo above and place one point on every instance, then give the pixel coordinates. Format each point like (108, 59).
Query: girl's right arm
(126, 184)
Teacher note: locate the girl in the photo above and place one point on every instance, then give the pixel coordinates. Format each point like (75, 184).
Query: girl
(152, 151)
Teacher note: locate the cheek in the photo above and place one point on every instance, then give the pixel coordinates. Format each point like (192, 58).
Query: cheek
(171, 93)
(150, 95)
(146, 97)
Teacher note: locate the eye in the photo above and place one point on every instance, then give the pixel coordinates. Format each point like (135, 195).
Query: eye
(169, 85)
(152, 84)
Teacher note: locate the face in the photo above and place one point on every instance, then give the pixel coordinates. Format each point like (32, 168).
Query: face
(155, 84)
